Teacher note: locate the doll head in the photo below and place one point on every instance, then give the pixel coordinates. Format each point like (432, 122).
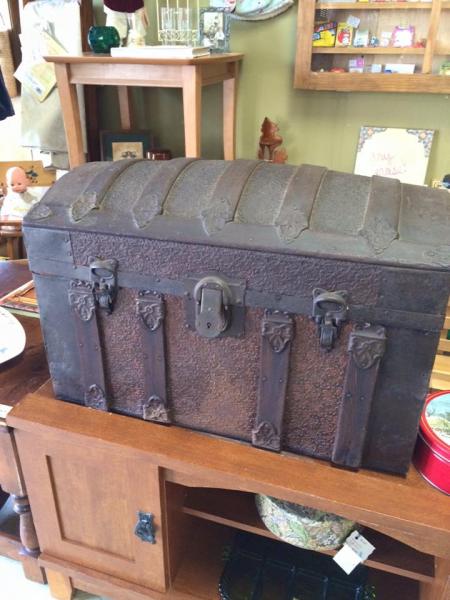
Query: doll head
(16, 180)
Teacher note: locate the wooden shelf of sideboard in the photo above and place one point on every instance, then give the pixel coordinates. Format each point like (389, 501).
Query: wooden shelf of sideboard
(238, 510)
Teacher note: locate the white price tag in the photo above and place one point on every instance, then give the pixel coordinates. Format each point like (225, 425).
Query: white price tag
(353, 21)
(356, 549)
(4, 410)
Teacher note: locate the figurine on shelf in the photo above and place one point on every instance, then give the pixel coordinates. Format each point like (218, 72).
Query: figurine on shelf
(269, 143)
(130, 19)
(18, 199)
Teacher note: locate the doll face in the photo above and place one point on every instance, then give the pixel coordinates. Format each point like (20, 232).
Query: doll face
(17, 180)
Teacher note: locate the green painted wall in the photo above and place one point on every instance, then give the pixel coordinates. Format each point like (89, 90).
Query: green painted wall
(318, 127)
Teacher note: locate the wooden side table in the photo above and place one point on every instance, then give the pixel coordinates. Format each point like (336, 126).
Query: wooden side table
(89, 473)
(188, 74)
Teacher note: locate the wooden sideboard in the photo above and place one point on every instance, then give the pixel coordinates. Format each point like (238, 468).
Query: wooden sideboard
(90, 473)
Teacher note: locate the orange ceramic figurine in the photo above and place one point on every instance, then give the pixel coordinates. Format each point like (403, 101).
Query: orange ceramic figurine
(18, 199)
(269, 143)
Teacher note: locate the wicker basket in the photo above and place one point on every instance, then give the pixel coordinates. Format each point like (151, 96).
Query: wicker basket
(7, 64)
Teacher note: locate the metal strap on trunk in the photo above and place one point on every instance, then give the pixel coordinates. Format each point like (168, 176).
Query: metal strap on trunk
(381, 220)
(151, 201)
(277, 333)
(92, 197)
(366, 347)
(150, 308)
(295, 211)
(227, 193)
(82, 300)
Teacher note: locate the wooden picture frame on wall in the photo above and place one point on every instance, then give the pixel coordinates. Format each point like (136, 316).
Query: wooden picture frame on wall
(119, 145)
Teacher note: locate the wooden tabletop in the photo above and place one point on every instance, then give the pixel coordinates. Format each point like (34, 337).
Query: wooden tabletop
(27, 372)
(91, 57)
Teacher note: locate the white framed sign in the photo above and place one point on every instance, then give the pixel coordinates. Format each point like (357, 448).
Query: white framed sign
(391, 152)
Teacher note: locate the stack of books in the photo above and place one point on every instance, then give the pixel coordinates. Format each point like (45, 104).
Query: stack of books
(160, 51)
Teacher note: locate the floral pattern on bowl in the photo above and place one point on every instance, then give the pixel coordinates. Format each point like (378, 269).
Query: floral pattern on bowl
(301, 526)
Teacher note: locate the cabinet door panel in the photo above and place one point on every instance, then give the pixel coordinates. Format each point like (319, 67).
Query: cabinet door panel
(85, 502)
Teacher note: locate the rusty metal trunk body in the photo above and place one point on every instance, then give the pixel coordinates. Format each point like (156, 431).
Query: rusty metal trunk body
(294, 308)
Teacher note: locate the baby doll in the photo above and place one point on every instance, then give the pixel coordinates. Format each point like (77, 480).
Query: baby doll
(18, 200)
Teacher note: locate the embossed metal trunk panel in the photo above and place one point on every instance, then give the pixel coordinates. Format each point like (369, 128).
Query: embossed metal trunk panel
(182, 292)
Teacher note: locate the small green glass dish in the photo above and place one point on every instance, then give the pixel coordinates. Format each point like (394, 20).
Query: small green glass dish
(102, 38)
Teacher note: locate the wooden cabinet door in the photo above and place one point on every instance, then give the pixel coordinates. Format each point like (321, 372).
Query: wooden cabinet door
(85, 496)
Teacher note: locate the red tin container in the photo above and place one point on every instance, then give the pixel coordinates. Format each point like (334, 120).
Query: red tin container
(432, 453)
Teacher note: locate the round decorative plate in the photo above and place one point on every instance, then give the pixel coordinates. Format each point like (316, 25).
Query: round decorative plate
(12, 336)
(301, 526)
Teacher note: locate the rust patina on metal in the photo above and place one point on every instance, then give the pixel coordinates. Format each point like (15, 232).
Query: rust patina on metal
(290, 307)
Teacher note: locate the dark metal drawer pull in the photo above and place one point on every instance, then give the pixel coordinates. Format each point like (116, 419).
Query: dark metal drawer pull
(145, 527)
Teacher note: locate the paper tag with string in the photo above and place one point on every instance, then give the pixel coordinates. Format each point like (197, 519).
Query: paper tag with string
(356, 549)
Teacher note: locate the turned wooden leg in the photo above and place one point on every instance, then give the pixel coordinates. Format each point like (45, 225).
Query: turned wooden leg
(60, 585)
(28, 537)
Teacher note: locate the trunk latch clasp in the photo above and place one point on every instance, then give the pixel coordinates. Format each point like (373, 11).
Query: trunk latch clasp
(212, 298)
(330, 310)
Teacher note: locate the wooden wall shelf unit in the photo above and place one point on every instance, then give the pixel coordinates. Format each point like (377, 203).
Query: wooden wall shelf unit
(430, 19)
(88, 473)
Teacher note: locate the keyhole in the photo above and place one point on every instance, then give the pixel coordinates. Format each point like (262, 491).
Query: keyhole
(208, 325)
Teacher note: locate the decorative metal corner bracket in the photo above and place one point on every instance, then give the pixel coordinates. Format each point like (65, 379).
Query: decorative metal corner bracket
(278, 329)
(150, 307)
(95, 398)
(81, 299)
(265, 435)
(154, 409)
(367, 345)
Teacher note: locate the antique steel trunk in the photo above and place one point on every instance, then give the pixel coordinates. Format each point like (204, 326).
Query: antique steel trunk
(294, 308)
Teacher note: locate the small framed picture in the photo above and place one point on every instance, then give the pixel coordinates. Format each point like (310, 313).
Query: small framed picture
(117, 145)
(215, 29)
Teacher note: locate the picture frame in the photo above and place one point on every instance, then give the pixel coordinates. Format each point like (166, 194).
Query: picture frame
(394, 152)
(118, 145)
(214, 28)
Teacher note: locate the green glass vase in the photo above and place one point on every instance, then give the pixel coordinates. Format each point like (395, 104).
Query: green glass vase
(102, 39)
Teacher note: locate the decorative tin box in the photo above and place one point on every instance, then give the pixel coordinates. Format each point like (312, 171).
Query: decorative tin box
(290, 307)
(302, 526)
(432, 454)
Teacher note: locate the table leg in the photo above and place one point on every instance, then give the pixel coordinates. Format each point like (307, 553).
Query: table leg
(124, 94)
(229, 113)
(192, 107)
(60, 585)
(71, 115)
